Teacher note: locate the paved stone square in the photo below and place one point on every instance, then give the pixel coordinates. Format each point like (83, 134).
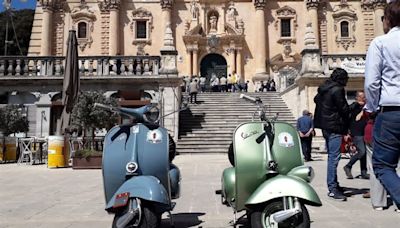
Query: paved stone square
(37, 197)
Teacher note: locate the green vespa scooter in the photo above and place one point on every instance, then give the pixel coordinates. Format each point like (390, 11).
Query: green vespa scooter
(268, 178)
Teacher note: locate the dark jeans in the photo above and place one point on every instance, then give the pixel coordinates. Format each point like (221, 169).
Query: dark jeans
(333, 142)
(223, 88)
(306, 147)
(203, 88)
(193, 95)
(360, 155)
(386, 154)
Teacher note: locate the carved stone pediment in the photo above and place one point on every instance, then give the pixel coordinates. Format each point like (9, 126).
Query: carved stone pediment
(142, 14)
(197, 30)
(84, 13)
(285, 11)
(344, 13)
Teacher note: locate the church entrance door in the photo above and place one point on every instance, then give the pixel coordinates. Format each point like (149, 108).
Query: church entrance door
(213, 64)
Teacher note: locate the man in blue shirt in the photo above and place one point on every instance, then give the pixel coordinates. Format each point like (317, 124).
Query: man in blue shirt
(382, 89)
(305, 128)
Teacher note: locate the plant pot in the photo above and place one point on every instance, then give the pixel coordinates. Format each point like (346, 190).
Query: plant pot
(8, 150)
(90, 162)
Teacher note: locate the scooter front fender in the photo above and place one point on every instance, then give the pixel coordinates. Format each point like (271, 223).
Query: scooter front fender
(281, 186)
(144, 187)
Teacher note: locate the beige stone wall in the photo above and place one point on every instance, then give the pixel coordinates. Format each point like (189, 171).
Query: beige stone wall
(181, 12)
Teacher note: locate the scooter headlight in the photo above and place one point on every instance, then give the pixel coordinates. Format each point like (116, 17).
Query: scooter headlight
(131, 167)
(152, 116)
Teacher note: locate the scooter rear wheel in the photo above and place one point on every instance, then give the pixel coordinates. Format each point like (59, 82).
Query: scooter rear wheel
(150, 219)
(259, 217)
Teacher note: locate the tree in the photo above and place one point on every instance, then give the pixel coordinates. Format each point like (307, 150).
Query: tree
(12, 121)
(23, 20)
(86, 116)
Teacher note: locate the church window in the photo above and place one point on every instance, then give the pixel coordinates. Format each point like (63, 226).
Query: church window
(141, 30)
(82, 30)
(141, 26)
(344, 25)
(344, 29)
(286, 24)
(285, 28)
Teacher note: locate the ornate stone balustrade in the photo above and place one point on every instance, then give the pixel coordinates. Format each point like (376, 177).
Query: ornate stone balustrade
(35, 66)
(353, 64)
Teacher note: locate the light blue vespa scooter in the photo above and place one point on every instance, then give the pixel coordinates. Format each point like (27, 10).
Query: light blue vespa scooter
(139, 179)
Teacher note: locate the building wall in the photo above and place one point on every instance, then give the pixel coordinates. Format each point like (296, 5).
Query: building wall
(62, 20)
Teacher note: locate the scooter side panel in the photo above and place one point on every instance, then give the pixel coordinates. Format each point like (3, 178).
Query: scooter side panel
(228, 185)
(175, 179)
(286, 147)
(280, 186)
(119, 144)
(154, 159)
(250, 161)
(143, 187)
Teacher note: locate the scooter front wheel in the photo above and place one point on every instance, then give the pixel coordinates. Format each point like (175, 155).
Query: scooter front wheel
(149, 219)
(260, 218)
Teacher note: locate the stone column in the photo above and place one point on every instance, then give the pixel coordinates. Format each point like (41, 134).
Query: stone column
(195, 62)
(114, 29)
(189, 62)
(379, 6)
(239, 62)
(260, 53)
(232, 61)
(312, 8)
(166, 6)
(47, 29)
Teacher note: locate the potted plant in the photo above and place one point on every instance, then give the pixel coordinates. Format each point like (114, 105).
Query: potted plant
(12, 121)
(87, 159)
(88, 118)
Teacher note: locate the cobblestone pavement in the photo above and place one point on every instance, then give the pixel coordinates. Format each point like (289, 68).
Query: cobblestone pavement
(36, 197)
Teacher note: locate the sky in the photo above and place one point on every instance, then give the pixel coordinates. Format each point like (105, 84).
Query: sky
(20, 4)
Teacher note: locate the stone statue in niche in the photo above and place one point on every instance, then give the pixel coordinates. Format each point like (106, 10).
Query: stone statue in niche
(194, 9)
(213, 23)
(231, 11)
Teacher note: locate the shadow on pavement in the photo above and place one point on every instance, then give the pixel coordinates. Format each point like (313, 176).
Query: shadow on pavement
(354, 191)
(183, 220)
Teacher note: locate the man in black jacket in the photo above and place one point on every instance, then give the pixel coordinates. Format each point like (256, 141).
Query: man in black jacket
(332, 116)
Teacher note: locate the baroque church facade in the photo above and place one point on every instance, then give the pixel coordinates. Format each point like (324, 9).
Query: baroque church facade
(257, 39)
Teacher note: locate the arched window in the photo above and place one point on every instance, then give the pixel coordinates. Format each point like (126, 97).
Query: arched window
(344, 29)
(82, 30)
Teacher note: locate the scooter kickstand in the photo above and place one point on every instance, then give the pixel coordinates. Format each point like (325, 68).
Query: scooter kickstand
(171, 220)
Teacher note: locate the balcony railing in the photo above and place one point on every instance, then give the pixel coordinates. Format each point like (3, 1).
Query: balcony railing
(88, 65)
(353, 64)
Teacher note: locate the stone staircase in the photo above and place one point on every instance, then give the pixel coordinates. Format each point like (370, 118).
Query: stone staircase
(207, 127)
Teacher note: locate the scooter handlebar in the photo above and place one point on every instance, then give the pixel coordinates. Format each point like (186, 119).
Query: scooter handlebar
(106, 107)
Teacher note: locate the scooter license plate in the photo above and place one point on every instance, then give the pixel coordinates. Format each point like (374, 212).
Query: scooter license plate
(121, 200)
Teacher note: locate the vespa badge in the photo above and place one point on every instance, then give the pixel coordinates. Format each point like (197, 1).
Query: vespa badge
(285, 139)
(154, 136)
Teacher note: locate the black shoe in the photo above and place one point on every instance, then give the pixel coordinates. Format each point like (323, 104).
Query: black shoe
(337, 195)
(364, 176)
(341, 189)
(347, 170)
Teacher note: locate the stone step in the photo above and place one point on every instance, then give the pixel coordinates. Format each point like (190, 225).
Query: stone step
(203, 146)
(207, 127)
(194, 151)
